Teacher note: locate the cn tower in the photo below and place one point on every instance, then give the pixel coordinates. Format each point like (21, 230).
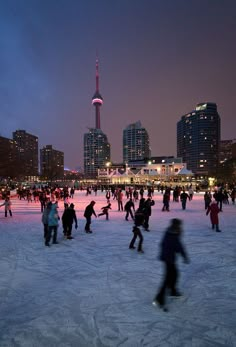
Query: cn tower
(97, 100)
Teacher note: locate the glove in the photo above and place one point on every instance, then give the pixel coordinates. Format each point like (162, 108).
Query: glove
(186, 261)
(76, 227)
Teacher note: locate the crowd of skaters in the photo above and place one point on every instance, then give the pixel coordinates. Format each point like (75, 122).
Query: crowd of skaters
(126, 200)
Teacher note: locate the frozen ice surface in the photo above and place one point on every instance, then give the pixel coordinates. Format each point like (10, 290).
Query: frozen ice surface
(94, 291)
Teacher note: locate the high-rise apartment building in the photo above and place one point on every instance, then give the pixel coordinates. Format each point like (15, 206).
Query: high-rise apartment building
(8, 158)
(96, 152)
(135, 143)
(28, 152)
(51, 163)
(198, 139)
(96, 145)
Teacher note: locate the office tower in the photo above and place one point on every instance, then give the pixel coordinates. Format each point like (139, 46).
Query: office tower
(135, 143)
(9, 163)
(28, 152)
(96, 145)
(198, 139)
(96, 152)
(51, 163)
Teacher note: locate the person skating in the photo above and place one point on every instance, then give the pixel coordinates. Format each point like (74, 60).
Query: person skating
(68, 217)
(89, 211)
(7, 203)
(207, 199)
(170, 245)
(214, 210)
(138, 221)
(120, 200)
(53, 219)
(147, 210)
(183, 198)
(166, 200)
(105, 211)
(45, 218)
(129, 206)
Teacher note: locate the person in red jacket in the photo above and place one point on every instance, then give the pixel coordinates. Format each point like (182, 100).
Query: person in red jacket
(214, 210)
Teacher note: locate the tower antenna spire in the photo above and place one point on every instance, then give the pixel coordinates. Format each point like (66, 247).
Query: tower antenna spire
(97, 99)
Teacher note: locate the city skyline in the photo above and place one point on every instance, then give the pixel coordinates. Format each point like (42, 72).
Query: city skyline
(157, 61)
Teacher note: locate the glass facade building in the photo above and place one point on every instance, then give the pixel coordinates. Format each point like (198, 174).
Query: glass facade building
(198, 139)
(135, 143)
(96, 152)
(27, 145)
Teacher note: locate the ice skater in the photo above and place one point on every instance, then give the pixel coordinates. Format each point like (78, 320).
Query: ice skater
(89, 211)
(105, 211)
(45, 218)
(138, 221)
(129, 206)
(7, 203)
(214, 210)
(53, 219)
(170, 246)
(68, 217)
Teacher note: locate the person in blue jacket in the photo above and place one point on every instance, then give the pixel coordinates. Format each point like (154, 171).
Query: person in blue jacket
(170, 245)
(53, 219)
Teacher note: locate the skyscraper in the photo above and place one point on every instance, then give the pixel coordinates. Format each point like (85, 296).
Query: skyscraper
(96, 145)
(28, 152)
(135, 143)
(9, 159)
(198, 139)
(51, 163)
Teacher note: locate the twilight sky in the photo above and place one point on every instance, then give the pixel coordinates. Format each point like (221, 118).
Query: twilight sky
(157, 60)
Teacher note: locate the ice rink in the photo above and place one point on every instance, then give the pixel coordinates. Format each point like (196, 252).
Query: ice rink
(93, 291)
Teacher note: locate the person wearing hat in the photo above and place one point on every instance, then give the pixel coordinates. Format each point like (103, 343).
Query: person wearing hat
(89, 211)
(68, 217)
(169, 247)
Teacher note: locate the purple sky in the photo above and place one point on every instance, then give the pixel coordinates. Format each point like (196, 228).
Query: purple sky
(157, 60)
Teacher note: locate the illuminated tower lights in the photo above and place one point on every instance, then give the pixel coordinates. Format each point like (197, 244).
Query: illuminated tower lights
(97, 100)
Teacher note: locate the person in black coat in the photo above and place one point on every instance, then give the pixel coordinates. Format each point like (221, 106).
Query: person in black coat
(138, 221)
(183, 197)
(105, 211)
(147, 210)
(89, 211)
(129, 206)
(170, 246)
(68, 217)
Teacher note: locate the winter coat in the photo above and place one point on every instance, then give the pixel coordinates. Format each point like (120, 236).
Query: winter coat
(53, 216)
(129, 205)
(184, 196)
(7, 204)
(89, 211)
(166, 197)
(147, 208)
(170, 246)
(45, 216)
(69, 216)
(213, 209)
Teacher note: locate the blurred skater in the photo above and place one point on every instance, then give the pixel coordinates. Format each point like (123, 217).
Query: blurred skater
(169, 247)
